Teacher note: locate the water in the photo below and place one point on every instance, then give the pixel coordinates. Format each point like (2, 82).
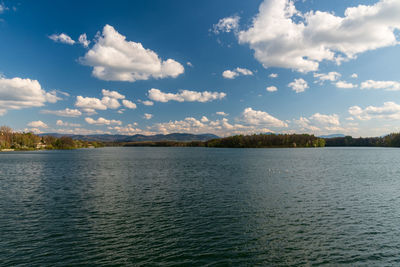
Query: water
(198, 206)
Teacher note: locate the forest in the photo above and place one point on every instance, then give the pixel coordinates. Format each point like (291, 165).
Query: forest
(29, 141)
(245, 141)
(390, 140)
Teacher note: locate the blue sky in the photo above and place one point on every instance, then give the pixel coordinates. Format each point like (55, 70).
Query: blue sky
(222, 67)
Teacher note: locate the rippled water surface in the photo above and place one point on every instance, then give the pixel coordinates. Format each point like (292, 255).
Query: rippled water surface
(197, 206)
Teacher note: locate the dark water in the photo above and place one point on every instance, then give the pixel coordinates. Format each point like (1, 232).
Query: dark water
(196, 206)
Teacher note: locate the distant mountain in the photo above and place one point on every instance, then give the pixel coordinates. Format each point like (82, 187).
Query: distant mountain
(331, 135)
(182, 137)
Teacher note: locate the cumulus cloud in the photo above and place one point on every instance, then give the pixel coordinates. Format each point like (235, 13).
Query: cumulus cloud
(112, 94)
(113, 58)
(221, 113)
(319, 123)
(254, 117)
(345, 85)
(91, 103)
(272, 89)
(331, 76)
(147, 116)
(305, 125)
(18, 93)
(185, 96)
(273, 75)
(282, 36)
(67, 124)
(147, 103)
(232, 74)
(110, 100)
(354, 76)
(130, 129)
(37, 124)
(62, 38)
(326, 119)
(204, 119)
(386, 85)
(220, 127)
(64, 113)
(83, 40)
(128, 104)
(298, 85)
(102, 121)
(389, 111)
(227, 24)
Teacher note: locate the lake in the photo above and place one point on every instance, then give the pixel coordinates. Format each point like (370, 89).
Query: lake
(200, 206)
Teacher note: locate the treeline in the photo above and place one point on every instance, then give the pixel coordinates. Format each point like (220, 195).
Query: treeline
(391, 140)
(29, 141)
(246, 141)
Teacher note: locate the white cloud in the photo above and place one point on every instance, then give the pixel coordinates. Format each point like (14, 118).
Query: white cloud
(62, 38)
(273, 75)
(147, 103)
(18, 93)
(231, 74)
(189, 64)
(81, 131)
(3, 112)
(89, 103)
(112, 94)
(387, 85)
(281, 36)
(64, 113)
(220, 127)
(244, 71)
(346, 85)
(113, 58)
(326, 119)
(354, 76)
(272, 89)
(185, 96)
(129, 104)
(67, 124)
(37, 124)
(254, 117)
(147, 116)
(228, 74)
(331, 76)
(389, 111)
(204, 119)
(227, 24)
(298, 85)
(109, 100)
(305, 125)
(102, 121)
(221, 113)
(130, 129)
(83, 40)
(320, 123)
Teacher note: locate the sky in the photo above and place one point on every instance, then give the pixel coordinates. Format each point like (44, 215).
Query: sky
(224, 67)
